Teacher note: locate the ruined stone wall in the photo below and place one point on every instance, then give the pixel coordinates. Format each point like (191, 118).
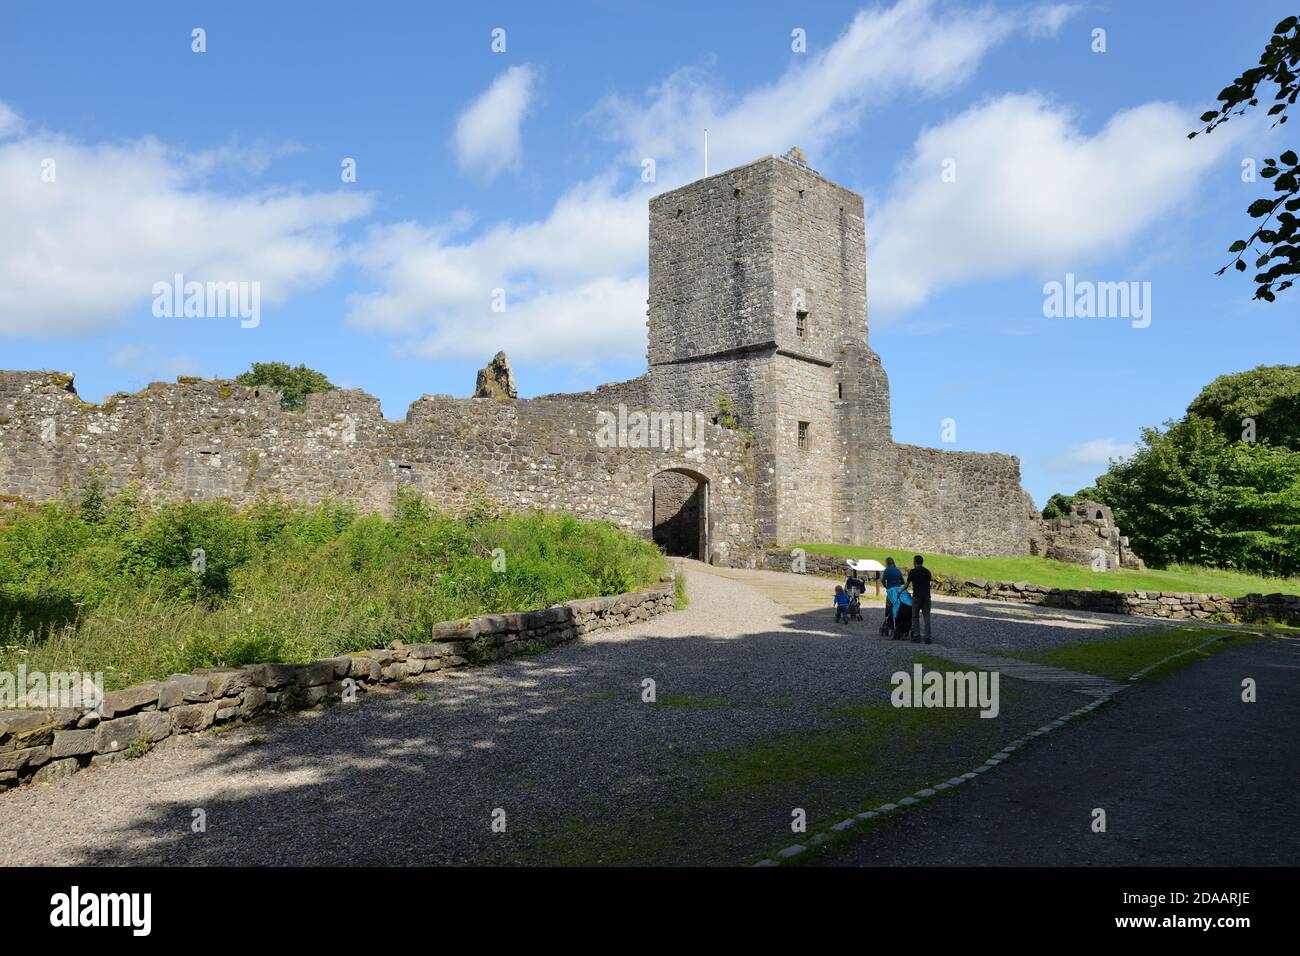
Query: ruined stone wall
(866, 452)
(634, 393)
(695, 386)
(208, 439)
(1088, 536)
(952, 502)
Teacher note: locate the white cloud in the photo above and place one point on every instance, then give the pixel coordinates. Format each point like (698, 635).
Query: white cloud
(78, 253)
(150, 362)
(1094, 454)
(574, 283)
(584, 324)
(487, 137)
(1048, 20)
(11, 124)
(434, 284)
(254, 159)
(912, 45)
(1032, 194)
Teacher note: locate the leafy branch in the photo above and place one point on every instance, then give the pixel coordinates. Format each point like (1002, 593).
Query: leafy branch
(1279, 254)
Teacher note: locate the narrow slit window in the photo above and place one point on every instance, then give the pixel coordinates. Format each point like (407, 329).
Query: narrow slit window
(839, 389)
(803, 436)
(801, 324)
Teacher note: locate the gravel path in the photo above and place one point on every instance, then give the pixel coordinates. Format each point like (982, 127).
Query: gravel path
(1187, 773)
(412, 774)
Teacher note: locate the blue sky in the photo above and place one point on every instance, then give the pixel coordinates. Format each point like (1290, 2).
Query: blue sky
(522, 170)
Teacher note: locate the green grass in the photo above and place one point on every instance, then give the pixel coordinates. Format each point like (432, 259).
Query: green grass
(137, 749)
(138, 590)
(1058, 574)
(1121, 658)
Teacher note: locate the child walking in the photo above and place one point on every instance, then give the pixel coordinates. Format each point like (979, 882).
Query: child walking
(841, 604)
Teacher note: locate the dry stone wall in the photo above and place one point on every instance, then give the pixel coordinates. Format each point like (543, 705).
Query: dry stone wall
(40, 745)
(1174, 605)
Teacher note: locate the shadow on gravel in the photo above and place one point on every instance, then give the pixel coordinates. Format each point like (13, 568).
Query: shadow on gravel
(1188, 774)
(744, 730)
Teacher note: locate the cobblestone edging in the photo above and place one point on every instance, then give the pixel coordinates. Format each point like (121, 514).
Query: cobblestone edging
(40, 745)
(1173, 605)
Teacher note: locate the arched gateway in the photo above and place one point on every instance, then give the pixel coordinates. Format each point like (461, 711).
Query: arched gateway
(681, 513)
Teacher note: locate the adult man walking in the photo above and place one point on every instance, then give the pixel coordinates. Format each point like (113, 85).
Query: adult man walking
(919, 579)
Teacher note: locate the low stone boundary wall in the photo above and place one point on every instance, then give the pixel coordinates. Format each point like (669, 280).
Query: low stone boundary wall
(1174, 605)
(783, 559)
(40, 745)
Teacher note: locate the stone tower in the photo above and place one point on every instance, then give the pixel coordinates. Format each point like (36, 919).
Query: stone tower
(758, 293)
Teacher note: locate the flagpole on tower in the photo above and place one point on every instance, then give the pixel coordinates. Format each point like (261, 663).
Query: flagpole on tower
(706, 151)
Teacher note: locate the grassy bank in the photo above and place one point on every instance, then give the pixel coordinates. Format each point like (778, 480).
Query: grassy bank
(1058, 574)
(140, 591)
(1121, 658)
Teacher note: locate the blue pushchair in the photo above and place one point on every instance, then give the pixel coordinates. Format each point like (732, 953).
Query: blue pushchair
(897, 624)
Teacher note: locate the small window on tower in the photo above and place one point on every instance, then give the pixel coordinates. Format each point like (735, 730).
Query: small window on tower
(803, 436)
(801, 324)
(839, 389)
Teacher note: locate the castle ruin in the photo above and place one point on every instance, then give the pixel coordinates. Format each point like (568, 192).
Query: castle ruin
(757, 330)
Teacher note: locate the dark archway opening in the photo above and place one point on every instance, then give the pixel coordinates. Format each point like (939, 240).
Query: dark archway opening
(681, 514)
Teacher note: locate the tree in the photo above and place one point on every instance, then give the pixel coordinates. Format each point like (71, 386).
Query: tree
(1191, 495)
(1167, 497)
(1207, 491)
(1267, 396)
(1058, 506)
(1279, 256)
(293, 384)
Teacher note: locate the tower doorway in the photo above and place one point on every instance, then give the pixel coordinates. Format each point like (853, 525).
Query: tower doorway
(680, 513)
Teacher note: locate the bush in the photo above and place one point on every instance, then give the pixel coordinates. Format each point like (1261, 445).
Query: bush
(115, 585)
(293, 383)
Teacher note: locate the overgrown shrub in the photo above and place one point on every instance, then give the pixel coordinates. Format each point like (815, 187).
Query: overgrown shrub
(115, 584)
